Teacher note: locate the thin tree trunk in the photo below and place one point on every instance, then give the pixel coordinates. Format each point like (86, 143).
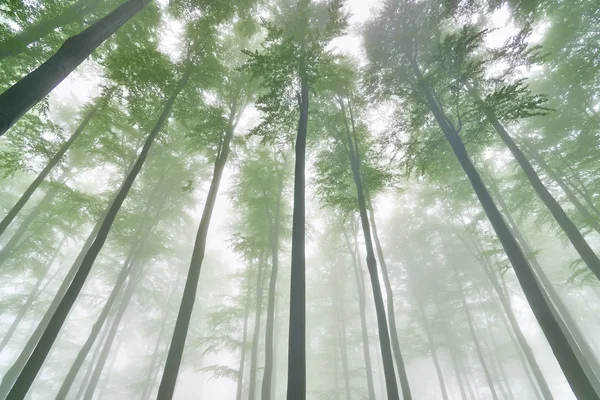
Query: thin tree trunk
(18, 44)
(111, 365)
(486, 371)
(240, 378)
(575, 237)
(296, 379)
(131, 285)
(560, 345)
(495, 353)
(6, 221)
(171, 370)
(458, 373)
(92, 363)
(384, 337)
(256, 333)
(270, 326)
(340, 315)
(360, 284)
(31, 368)
(32, 296)
(31, 89)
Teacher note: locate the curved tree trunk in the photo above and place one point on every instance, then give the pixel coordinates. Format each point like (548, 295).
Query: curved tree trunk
(171, 370)
(6, 221)
(560, 345)
(33, 365)
(31, 89)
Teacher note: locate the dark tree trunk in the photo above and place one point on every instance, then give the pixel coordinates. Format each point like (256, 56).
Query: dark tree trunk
(240, 378)
(31, 89)
(171, 370)
(18, 43)
(362, 302)
(384, 337)
(274, 222)
(31, 368)
(256, 333)
(296, 380)
(6, 221)
(35, 292)
(575, 237)
(131, 285)
(560, 345)
(478, 349)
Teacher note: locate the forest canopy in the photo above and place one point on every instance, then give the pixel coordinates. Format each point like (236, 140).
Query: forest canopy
(300, 199)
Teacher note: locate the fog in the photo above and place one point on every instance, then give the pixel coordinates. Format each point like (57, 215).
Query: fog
(299, 199)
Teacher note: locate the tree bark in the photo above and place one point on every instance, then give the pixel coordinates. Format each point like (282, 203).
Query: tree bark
(274, 233)
(6, 221)
(18, 44)
(256, 333)
(575, 237)
(561, 347)
(31, 368)
(31, 89)
(296, 380)
(171, 370)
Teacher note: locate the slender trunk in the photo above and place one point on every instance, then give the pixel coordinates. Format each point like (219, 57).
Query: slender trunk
(575, 237)
(23, 228)
(111, 366)
(131, 285)
(360, 284)
(6, 221)
(340, 327)
(256, 334)
(269, 329)
(92, 363)
(18, 44)
(495, 353)
(384, 338)
(171, 370)
(31, 89)
(478, 349)
(458, 373)
(296, 380)
(240, 378)
(38, 356)
(560, 345)
(275, 350)
(32, 296)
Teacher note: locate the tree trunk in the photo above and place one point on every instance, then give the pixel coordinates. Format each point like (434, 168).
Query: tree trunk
(171, 370)
(256, 334)
(6, 221)
(240, 379)
(458, 373)
(575, 237)
(296, 380)
(495, 352)
(269, 363)
(478, 349)
(18, 44)
(31, 89)
(340, 327)
(360, 285)
(38, 356)
(115, 355)
(384, 337)
(131, 285)
(92, 363)
(31, 298)
(561, 347)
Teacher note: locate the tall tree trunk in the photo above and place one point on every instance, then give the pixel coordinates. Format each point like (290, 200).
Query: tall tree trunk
(240, 377)
(575, 237)
(560, 345)
(362, 302)
(111, 365)
(270, 326)
(18, 44)
(92, 363)
(495, 352)
(458, 373)
(591, 220)
(478, 349)
(31, 89)
(6, 221)
(131, 285)
(38, 356)
(569, 326)
(296, 379)
(32, 296)
(171, 370)
(402, 376)
(340, 327)
(384, 337)
(256, 333)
